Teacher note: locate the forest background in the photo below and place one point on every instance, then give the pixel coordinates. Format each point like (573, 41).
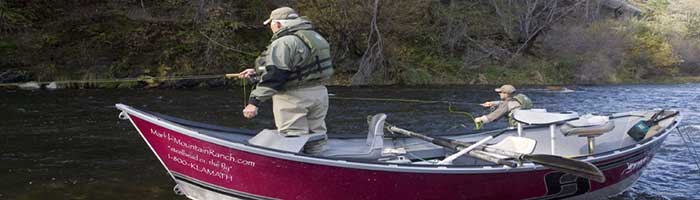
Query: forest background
(375, 42)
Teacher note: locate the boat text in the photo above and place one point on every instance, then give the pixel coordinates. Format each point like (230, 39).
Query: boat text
(201, 169)
(635, 165)
(201, 159)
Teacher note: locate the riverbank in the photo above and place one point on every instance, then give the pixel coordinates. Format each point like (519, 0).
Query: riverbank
(422, 42)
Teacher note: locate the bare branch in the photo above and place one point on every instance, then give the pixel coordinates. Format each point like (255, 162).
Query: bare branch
(373, 57)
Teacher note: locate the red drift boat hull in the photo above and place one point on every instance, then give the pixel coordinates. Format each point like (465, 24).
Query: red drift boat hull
(206, 167)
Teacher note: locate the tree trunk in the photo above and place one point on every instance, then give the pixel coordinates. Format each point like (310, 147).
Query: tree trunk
(373, 58)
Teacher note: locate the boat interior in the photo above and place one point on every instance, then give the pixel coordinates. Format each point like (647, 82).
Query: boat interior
(538, 132)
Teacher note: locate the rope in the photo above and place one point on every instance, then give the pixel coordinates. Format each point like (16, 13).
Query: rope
(691, 150)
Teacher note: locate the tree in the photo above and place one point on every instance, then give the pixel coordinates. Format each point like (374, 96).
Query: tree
(525, 20)
(373, 57)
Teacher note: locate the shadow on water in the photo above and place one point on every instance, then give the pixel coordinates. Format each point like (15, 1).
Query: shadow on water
(69, 144)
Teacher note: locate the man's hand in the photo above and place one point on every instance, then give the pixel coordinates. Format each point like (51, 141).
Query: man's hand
(250, 111)
(247, 73)
(479, 119)
(487, 104)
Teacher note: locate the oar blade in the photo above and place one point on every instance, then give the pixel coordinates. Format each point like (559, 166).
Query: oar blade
(567, 165)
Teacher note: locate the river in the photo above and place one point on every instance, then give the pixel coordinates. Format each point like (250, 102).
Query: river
(69, 144)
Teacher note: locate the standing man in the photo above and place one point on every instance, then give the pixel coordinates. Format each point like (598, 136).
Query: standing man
(293, 71)
(508, 103)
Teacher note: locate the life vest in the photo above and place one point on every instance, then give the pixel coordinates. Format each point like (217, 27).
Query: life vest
(315, 68)
(525, 103)
(318, 66)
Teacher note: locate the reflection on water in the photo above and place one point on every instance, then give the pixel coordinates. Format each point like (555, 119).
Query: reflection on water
(69, 144)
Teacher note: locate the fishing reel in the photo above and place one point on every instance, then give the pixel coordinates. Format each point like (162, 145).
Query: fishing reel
(478, 125)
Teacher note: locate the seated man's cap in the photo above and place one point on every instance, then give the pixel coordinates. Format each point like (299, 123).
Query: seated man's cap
(282, 13)
(506, 89)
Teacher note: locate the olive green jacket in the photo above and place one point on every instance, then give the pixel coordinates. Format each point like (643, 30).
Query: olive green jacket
(276, 65)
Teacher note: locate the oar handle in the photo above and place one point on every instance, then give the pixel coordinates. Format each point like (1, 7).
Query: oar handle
(405, 132)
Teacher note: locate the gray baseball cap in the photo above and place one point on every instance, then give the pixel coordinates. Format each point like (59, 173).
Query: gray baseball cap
(282, 13)
(506, 89)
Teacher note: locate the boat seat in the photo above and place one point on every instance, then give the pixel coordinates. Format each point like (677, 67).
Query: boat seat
(273, 139)
(588, 126)
(370, 149)
(542, 117)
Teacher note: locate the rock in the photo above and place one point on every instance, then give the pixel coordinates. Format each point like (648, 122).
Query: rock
(52, 86)
(29, 86)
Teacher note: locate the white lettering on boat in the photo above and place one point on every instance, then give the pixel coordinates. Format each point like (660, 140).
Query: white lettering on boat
(200, 159)
(194, 147)
(635, 165)
(201, 169)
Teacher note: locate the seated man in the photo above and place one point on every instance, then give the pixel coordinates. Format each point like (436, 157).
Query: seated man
(509, 102)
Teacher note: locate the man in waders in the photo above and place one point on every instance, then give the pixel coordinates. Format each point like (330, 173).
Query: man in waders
(508, 103)
(293, 71)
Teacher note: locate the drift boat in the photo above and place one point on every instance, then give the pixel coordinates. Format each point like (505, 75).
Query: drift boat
(548, 156)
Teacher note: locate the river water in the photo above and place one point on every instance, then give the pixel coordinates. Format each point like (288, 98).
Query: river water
(69, 144)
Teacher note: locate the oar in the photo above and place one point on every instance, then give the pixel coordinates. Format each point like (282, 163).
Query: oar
(477, 153)
(566, 165)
